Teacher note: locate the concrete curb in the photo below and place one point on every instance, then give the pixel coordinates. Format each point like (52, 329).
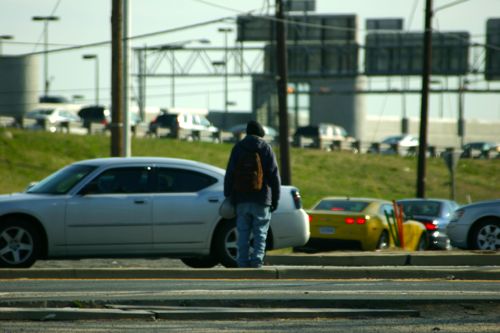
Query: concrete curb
(45, 314)
(193, 313)
(427, 258)
(268, 273)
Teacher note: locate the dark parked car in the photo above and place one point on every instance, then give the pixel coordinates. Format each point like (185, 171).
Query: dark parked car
(480, 150)
(239, 131)
(323, 136)
(100, 117)
(434, 214)
(95, 115)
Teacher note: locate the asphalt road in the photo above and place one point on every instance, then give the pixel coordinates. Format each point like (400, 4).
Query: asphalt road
(231, 300)
(201, 305)
(437, 319)
(215, 292)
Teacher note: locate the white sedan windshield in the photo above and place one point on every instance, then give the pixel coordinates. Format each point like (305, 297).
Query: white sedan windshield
(63, 180)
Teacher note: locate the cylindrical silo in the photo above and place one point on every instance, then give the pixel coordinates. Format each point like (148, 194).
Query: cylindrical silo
(18, 85)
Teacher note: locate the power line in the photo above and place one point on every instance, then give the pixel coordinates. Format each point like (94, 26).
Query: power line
(146, 35)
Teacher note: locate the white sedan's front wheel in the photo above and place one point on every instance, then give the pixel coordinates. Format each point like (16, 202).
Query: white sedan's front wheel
(487, 235)
(19, 244)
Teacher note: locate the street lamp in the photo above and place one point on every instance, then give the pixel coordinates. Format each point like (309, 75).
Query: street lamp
(225, 31)
(96, 58)
(46, 20)
(4, 37)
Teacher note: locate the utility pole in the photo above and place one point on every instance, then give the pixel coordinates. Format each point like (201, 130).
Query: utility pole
(461, 121)
(127, 146)
(282, 79)
(116, 78)
(424, 112)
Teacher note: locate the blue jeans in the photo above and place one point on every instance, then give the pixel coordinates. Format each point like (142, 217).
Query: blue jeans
(252, 218)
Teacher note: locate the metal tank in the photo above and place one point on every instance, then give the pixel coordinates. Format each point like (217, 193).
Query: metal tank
(18, 86)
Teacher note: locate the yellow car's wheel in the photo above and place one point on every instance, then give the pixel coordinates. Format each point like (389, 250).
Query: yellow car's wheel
(383, 241)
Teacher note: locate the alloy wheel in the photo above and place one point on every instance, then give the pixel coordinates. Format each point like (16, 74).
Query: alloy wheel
(16, 245)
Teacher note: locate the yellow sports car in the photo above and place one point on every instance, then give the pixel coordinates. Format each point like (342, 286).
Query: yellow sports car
(340, 222)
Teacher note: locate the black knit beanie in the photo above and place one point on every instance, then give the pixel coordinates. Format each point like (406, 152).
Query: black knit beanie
(254, 128)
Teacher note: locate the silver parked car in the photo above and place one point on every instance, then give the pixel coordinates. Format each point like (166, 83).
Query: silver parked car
(52, 119)
(134, 207)
(434, 214)
(476, 226)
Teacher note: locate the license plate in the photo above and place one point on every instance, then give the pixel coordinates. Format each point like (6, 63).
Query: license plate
(327, 230)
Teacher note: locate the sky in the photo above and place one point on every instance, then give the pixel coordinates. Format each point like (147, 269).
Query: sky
(85, 22)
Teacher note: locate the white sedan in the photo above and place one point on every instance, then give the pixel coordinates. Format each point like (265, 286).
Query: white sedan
(476, 226)
(134, 207)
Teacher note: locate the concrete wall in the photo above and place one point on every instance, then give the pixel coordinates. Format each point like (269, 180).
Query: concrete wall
(18, 85)
(441, 132)
(344, 109)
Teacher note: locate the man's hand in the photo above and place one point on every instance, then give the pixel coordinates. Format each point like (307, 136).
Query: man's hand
(274, 206)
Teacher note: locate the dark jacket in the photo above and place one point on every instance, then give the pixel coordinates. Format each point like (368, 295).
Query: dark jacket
(270, 193)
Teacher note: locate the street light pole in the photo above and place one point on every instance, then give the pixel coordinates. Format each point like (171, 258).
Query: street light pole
(424, 112)
(96, 77)
(225, 31)
(172, 84)
(4, 37)
(46, 20)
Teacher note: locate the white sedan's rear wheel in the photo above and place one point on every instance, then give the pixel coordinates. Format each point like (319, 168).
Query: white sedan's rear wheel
(225, 245)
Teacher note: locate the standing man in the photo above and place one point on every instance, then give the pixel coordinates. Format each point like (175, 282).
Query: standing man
(253, 183)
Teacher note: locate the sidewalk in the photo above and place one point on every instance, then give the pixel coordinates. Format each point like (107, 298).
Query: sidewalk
(296, 266)
(449, 265)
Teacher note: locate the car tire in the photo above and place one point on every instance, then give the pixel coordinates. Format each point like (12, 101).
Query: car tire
(20, 244)
(225, 247)
(383, 241)
(485, 235)
(200, 262)
(422, 243)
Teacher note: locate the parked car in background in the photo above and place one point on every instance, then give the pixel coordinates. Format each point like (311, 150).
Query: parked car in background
(361, 223)
(404, 144)
(98, 119)
(183, 125)
(53, 119)
(323, 136)
(476, 226)
(239, 131)
(480, 150)
(434, 214)
(97, 116)
(134, 207)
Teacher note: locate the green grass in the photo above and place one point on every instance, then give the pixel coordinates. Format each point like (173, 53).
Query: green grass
(29, 156)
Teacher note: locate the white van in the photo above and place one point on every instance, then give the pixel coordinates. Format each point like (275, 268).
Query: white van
(184, 124)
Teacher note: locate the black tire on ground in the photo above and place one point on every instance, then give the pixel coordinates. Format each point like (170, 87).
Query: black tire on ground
(20, 244)
(200, 262)
(383, 241)
(224, 247)
(485, 235)
(422, 242)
